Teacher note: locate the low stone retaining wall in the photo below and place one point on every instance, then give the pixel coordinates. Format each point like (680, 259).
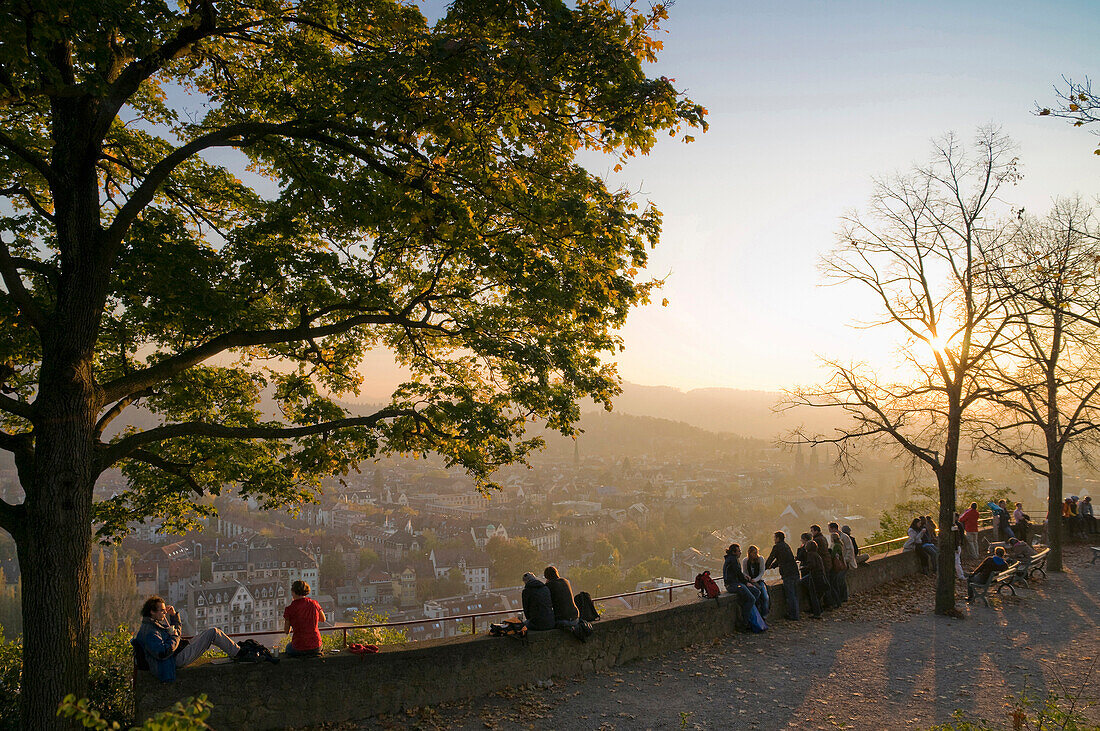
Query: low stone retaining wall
(346, 687)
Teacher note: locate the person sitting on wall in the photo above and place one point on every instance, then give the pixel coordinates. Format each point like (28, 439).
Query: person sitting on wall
(782, 558)
(566, 613)
(861, 558)
(753, 567)
(538, 605)
(985, 569)
(733, 576)
(1084, 511)
(302, 617)
(159, 637)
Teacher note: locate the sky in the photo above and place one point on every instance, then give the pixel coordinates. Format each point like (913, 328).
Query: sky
(808, 102)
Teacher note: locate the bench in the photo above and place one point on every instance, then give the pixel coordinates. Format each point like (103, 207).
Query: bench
(1038, 564)
(1095, 553)
(997, 580)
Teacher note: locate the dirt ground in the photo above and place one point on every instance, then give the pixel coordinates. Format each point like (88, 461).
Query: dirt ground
(883, 661)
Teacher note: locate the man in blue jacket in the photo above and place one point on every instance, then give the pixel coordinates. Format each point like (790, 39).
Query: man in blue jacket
(159, 637)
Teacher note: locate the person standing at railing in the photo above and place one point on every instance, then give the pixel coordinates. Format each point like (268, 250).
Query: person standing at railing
(838, 577)
(969, 520)
(566, 613)
(813, 574)
(538, 606)
(302, 618)
(733, 576)
(782, 558)
(861, 558)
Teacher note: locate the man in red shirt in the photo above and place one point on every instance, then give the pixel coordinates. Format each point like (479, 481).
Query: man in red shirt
(303, 616)
(969, 519)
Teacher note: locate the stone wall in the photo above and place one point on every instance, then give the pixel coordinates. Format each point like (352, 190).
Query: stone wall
(346, 687)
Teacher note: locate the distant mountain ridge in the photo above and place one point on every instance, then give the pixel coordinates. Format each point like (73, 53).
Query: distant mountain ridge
(730, 410)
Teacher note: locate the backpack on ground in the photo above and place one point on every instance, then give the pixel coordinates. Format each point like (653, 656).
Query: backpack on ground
(253, 651)
(755, 621)
(587, 607)
(706, 586)
(582, 630)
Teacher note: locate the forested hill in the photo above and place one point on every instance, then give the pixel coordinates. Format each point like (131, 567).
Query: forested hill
(619, 435)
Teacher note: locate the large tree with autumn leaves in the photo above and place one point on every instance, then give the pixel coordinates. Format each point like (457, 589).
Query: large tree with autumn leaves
(210, 200)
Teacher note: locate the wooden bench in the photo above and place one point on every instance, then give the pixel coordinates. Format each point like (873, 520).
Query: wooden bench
(997, 580)
(1038, 564)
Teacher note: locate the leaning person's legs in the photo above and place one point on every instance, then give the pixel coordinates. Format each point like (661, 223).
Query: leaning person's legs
(958, 565)
(790, 593)
(811, 591)
(201, 642)
(972, 544)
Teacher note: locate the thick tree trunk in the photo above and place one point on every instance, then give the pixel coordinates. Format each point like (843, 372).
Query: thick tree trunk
(54, 559)
(55, 550)
(945, 561)
(1054, 516)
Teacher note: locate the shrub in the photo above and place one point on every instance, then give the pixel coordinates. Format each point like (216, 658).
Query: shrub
(110, 664)
(187, 715)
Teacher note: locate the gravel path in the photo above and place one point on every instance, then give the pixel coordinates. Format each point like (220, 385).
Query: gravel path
(884, 661)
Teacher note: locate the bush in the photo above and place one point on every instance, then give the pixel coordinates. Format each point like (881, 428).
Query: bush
(11, 665)
(110, 664)
(188, 715)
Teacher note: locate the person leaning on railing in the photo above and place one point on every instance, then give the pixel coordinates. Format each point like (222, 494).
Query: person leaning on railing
(782, 558)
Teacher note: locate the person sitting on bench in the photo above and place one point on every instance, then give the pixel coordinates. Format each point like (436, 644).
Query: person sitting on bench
(159, 638)
(985, 569)
(302, 617)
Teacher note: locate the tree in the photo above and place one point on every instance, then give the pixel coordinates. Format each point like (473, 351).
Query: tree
(333, 571)
(1076, 101)
(409, 187)
(114, 593)
(919, 251)
(1046, 377)
(450, 584)
(510, 558)
(926, 499)
(651, 568)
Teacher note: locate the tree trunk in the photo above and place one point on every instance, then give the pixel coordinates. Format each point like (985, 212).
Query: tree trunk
(945, 560)
(55, 550)
(54, 559)
(1054, 516)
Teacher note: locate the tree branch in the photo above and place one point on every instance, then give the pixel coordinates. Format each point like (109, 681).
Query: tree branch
(38, 163)
(124, 447)
(19, 294)
(16, 407)
(182, 471)
(143, 379)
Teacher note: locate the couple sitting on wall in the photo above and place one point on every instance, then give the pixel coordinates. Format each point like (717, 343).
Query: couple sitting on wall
(548, 605)
(160, 636)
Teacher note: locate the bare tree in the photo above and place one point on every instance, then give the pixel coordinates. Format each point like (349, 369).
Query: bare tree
(1047, 377)
(918, 251)
(1076, 102)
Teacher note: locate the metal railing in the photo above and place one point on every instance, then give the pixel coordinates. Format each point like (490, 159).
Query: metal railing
(473, 617)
